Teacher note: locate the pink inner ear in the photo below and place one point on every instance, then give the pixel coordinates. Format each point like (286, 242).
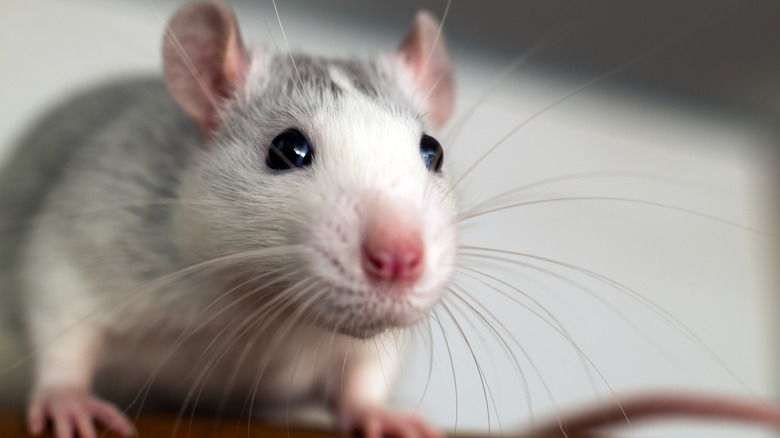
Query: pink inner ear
(235, 65)
(431, 68)
(204, 59)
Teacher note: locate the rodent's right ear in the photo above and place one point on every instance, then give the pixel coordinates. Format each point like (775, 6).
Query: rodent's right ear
(424, 52)
(203, 59)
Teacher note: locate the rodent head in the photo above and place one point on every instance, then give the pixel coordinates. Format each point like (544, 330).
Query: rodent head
(321, 172)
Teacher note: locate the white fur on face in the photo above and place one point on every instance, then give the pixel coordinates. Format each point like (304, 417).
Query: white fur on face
(368, 159)
(366, 145)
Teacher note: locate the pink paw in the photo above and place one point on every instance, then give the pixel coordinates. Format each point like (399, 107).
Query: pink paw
(379, 422)
(73, 413)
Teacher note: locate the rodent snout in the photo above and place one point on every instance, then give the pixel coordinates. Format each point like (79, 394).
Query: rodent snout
(392, 248)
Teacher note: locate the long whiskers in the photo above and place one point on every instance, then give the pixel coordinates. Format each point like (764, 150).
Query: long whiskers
(506, 196)
(432, 50)
(155, 285)
(460, 123)
(198, 323)
(626, 65)
(262, 321)
(426, 322)
(486, 392)
(604, 302)
(249, 323)
(445, 336)
(108, 207)
(283, 331)
(287, 44)
(617, 199)
(648, 303)
(548, 317)
(459, 292)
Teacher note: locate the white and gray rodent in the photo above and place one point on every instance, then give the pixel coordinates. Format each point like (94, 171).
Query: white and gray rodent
(166, 254)
(160, 239)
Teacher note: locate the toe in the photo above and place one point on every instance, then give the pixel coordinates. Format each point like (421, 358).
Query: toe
(111, 417)
(399, 425)
(377, 422)
(62, 425)
(372, 427)
(36, 418)
(84, 425)
(424, 430)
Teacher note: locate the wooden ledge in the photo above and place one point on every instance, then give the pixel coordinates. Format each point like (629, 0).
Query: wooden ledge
(12, 426)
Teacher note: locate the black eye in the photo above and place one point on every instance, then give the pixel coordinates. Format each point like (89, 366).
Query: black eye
(289, 149)
(432, 153)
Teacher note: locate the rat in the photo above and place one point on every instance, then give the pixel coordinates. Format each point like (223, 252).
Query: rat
(296, 203)
(255, 229)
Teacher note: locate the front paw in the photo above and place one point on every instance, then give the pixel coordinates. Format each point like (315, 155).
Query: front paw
(379, 422)
(73, 413)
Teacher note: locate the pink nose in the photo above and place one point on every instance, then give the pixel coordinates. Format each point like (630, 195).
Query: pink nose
(393, 252)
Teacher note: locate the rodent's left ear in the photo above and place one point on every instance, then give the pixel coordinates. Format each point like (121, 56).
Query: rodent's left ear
(425, 54)
(204, 59)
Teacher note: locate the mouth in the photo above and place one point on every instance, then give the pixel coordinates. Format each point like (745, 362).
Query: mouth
(366, 315)
(362, 333)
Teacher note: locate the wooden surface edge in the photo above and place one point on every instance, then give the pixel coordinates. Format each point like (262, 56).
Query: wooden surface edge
(148, 426)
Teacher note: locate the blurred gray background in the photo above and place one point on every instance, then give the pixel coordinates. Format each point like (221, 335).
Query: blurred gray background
(723, 51)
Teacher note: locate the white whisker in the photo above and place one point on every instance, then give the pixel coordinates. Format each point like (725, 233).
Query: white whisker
(289, 51)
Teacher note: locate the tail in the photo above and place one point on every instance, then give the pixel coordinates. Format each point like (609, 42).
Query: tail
(662, 405)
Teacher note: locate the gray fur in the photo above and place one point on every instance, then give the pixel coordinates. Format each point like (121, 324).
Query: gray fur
(64, 143)
(63, 171)
(98, 184)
